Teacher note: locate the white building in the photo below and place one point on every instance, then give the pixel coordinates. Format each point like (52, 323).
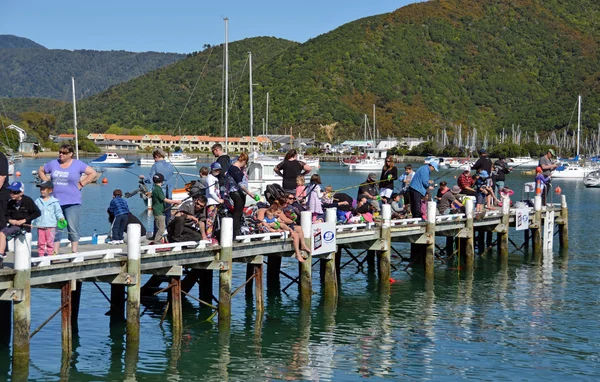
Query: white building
(22, 133)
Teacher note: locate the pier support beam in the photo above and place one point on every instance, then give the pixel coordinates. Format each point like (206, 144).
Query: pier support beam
(430, 245)
(503, 231)
(176, 310)
(563, 227)
(306, 266)
(66, 327)
(384, 257)
(22, 309)
(329, 273)
(536, 231)
(258, 286)
(205, 285)
(469, 245)
(225, 274)
(273, 269)
(117, 303)
(133, 290)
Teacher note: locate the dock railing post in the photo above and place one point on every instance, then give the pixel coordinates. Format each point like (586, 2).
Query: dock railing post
(469, 242)
(330, 277)
(563, 227)
(503, 234)
(132, 328)
(225, 272)
(430, 233)
(22, 309)
(537, 229)
(306, 266)
(384, 257)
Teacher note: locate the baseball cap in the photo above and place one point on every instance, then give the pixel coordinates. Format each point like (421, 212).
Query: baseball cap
(372, 175)
(482, 151)
(158, 178)
(435, 165)
(47, 184)
(215, 166)
(16, 186)
(551, 151)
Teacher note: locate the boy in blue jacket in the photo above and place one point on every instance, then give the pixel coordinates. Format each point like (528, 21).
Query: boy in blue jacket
(46, 224)
(120, 210)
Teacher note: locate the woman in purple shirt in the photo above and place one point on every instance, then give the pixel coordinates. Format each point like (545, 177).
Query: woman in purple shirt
(66, 173)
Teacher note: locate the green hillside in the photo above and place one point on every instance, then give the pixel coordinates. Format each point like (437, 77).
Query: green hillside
(486, 64)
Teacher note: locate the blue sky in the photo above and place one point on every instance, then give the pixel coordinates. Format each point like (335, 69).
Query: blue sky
(176, 26)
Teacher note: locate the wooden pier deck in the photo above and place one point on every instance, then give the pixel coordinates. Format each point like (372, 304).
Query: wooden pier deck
(183, 265)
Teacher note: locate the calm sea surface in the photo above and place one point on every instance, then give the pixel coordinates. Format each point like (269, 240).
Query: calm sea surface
(524, 322)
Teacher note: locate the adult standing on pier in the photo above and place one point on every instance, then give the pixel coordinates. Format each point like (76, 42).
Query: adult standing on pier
(238, 188)
(290, 169)
(222, 159)
(4, 193)
(65, 173)
(547, 165)
(161, 166)
(389, 173)
(483, 163)
(419, 185)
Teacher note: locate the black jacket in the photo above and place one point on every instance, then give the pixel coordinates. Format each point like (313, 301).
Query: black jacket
(501, 168)
(23, 209)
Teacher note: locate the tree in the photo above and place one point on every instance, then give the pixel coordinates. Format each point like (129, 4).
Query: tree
(10, 138)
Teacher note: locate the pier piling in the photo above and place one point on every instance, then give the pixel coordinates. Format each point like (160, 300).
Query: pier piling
(22, 308)
(430, 239)
(117, 302)
(306, 266)
(384, 257)
(258, 286)
(563, 226)
(225, 273)
(133, 290)
(205, 285)
(66, 327)
(536, 230)
(329, 273)
(469, 247)
(503, 230)
(176, 310)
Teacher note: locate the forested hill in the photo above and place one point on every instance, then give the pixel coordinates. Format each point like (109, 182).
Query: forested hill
(27, 69)
(485, 64)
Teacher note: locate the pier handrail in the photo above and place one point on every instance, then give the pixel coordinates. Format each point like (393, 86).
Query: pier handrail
(77, 257)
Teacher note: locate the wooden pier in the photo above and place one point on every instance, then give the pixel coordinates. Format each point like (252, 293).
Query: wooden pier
(182, 265)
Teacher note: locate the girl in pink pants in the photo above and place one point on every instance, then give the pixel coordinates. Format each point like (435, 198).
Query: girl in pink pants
(46, 223)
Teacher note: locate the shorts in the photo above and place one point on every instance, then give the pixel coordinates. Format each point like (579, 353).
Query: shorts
(11, 230)
(385, 192)
(480, 198)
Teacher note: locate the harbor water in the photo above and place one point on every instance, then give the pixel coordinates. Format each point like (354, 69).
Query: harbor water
(526, 321)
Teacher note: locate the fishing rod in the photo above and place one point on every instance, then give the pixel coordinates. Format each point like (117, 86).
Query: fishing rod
(360, 184)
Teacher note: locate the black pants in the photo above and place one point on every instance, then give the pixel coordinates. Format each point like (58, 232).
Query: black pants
(3, 219)
(415, 203)
(239, 201)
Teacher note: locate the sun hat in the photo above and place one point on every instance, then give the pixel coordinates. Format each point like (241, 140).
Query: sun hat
(435, 165)
(372, 175)
(484, 174)
(455, 189)
(551, 151)
(215, 166)
(16, 186)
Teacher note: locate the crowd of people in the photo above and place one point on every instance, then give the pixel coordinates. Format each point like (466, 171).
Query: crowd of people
(223, 189)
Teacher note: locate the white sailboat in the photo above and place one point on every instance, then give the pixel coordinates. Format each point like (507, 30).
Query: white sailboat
(573, 170)
(375, 159)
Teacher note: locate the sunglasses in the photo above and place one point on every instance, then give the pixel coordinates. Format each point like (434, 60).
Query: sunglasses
(64, 152)
(291, 197)
(15, 192)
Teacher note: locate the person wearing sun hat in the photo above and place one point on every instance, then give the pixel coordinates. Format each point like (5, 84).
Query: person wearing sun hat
(419, 186)
(20, 211)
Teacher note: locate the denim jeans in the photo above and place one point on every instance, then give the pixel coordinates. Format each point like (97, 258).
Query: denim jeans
(72, 213)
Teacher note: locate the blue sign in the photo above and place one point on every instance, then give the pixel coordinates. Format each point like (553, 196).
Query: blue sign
(328, 236)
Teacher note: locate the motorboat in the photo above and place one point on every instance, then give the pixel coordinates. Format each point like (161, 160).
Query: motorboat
(462, 164)
(571, 171)
(592, 179)
(440, 161)
(525, 161)
(111, 160)
(374, 161)
(176, 159)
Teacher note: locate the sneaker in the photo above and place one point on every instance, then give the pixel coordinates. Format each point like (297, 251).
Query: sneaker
(2, 255)
(114, 242)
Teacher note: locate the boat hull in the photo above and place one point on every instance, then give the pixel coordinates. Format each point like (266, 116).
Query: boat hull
(572, 173)
(176, 162)
(113, 165)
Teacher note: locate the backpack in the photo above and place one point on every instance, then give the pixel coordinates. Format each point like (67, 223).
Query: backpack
(196, 187)
(274, 192)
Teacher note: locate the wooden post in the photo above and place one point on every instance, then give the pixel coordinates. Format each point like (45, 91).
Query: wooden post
(258, 285)
(176, 312)
(67, 334)
(22, 309)
(75, 302)
(249, 273)
(469, 247)
(371, 261)
(225, 274)
(384, 257)
(117, 303)
(563, 228)
(329, 275)
(338, 266)
(527, 239)
(133, 290)
(430, 246)
(503, 234)
(273, 269)
(449, 246)
(5, 324)
(205, 284)
(537, 230)
(480, 241)
(306, 266)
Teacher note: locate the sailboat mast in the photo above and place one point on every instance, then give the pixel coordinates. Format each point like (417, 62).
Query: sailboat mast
(578, 124)
(267, 116)
(251, 108)
(226, 81)
(75, 120)
(374, 128)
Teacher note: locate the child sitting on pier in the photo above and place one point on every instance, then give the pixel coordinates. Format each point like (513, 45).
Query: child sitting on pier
(119, 209)
(270, 221)
(20, 212)
(51, 214)
(327, 196)
(158, 205)
(398, 211)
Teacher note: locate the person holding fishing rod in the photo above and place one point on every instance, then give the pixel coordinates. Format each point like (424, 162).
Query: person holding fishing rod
(499, 174)
(389, 173)
(161, 166)
(548, 166)
(419, 186)
(368, 190)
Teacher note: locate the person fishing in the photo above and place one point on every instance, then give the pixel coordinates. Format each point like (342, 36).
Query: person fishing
(368, 190)
(389, 173)
(290, 169)
(167, 170)
(548, 166)
(419, 186)
(499, 174)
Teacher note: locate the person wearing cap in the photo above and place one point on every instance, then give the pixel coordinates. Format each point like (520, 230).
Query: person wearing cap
(51, 214)
(542, 183)
(213, 199)
(499, 174)
(484, 162)
(167, 170)
(66, 175)
(389, 173)
(223, 159)
(119, 209)
(369, 190)
(483, 196)
(20, 212)
(4, 193)
(448, 201)
(179, 230)
(548, 166)
(158, 206)
(419, 186)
